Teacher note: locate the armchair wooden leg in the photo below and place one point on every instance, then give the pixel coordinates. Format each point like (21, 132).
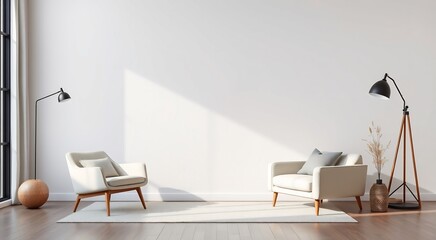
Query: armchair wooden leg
(108, 200)
(138, 190)
(359, 202)
(275, 194)
(77, 203)
(317, 203)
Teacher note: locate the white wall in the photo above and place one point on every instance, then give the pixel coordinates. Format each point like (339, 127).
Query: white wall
(207, 93)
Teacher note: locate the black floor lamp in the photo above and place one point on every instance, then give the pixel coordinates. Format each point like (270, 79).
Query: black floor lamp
(381, 89)
(33, 193)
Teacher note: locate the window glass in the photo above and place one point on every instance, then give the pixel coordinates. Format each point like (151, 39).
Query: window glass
(5, 107)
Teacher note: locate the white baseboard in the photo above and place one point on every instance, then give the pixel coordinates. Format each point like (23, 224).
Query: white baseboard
(5, 203)
(132, 196)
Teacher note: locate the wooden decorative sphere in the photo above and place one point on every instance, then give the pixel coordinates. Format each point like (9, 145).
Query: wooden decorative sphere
(33, 193)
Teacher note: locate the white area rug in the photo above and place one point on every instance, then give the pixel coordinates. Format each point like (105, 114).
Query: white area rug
(169, 212)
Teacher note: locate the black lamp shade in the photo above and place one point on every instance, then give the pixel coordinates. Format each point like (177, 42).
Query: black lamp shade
(63, 96)
(381, 89)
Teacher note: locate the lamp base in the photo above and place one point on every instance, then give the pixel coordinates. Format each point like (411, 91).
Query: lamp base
(33, 193)
(404, 205)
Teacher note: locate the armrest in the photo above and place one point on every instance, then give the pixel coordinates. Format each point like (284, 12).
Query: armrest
(87, 180)
(134, 169)
(279, 168)
(339, 181)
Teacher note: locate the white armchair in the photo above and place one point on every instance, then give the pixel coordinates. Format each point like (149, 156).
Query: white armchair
(95, 173)
(346, 178)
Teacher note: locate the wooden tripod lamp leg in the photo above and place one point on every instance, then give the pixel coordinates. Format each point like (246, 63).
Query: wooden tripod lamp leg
(414, 161)
(396, 153)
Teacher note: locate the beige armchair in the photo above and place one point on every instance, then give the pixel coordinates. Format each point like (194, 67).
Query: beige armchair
(346, 178)
(95, 173)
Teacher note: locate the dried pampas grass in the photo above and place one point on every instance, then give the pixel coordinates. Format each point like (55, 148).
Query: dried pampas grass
(376, 148)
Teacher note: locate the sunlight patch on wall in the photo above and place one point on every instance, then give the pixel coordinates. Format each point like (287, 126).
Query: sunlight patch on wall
(191, 148)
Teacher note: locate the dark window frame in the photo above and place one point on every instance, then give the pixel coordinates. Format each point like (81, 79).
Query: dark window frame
(6, 100)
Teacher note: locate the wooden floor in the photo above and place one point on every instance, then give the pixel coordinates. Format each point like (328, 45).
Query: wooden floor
(19, 223)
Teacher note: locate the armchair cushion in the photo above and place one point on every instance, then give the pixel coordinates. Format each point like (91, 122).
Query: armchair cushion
(105, 164)
(319, 159)
(294, 181)
(124, 180)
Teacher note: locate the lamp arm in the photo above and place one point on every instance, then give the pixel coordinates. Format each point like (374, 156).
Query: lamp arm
(47, 96)
(36, 121)
(401, 95)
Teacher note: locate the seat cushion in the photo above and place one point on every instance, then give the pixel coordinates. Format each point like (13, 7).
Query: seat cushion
(298, 182)
(124, 180)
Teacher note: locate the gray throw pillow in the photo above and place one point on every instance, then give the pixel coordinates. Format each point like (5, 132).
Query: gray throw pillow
(105, 164)
(319, 159)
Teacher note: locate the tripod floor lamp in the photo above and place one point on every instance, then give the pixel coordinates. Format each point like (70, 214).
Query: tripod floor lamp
(382, 90)
(33, 193)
